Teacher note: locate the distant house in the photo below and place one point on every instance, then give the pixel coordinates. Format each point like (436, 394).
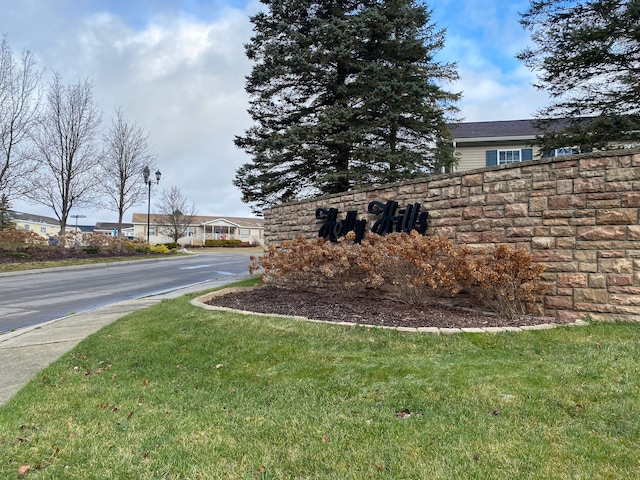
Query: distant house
(484, 144)
(202, 228)
(107, 228)
(44, 226)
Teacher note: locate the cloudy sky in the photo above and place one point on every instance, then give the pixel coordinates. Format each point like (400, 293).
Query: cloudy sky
(177, 69)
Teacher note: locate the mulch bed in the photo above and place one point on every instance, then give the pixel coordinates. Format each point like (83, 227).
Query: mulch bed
(369, 310)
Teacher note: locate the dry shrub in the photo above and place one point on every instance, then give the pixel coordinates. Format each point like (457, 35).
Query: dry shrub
(408, 266)
(14, 239)
(99, 241)
(344, 268)
(421, 269)
(505, 280)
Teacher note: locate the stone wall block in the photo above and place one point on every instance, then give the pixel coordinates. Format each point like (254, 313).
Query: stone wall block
(543, 243)
(583, 185)
(622, 174)
(597, 280)
(620, 216)
(564, 303)
(618, 280)
(522, 232)
(502, 175)
(572, 280)
(472, 212)
(599, 163)
(590, 295)
(500, 199)
(630, 199)
(538, 204)
(548, 256)
(611, 253)
(562, 202)
(615, 265)
(564, 187)
(619, 299)
(566, 243)
(602, 233)
(546, 184)
(473, 180)
(516, 210)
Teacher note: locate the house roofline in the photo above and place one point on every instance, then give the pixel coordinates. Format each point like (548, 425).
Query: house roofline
(493, 139)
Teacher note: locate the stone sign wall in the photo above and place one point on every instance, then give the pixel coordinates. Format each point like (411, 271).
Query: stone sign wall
(576, 215)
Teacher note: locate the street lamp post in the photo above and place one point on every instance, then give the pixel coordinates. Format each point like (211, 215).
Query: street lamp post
(147, 179)
(75, 237)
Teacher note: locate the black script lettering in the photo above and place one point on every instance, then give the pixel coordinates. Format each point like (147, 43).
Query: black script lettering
(385, 223)
(423, 223)
(328, 228)
(334, 228)
(410, 218)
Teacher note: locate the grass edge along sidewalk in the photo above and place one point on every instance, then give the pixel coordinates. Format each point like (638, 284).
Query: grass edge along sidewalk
(173, 391)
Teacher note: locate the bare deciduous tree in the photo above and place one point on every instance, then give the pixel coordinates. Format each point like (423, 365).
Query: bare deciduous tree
(20, 83)
(175, 213)
(126, 152)
(67, 148)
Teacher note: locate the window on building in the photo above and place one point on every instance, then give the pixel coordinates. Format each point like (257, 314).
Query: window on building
(244, 232)
(514, 155)
(27, 226)
(43, 229)
(152, 230)
(508, 156)
(190, 232)
(561, 152)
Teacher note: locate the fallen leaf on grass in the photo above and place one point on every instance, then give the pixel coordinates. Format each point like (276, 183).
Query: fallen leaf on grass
(220, 365)
(325, 438)
(146, 382)
(406, 413)
(23, 470)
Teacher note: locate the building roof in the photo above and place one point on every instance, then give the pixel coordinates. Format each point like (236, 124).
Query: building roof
(501, 129)
(110, 226)
(245, 222)
(29, 217)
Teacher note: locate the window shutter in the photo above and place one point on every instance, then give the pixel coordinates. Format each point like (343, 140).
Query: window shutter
(492, 158)
(527, 154)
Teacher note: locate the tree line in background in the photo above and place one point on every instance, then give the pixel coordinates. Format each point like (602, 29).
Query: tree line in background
(54, 151)
(348, 93)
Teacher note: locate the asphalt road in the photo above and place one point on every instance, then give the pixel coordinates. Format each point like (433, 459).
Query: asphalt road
(31, 298)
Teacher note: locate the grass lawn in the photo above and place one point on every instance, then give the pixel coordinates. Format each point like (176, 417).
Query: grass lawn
(21, 266)
(177, 392)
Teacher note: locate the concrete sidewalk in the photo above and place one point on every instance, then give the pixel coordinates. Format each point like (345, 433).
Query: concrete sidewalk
(25, 352)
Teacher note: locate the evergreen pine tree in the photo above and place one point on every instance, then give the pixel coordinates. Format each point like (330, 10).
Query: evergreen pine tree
(587, 57)
(344, 94)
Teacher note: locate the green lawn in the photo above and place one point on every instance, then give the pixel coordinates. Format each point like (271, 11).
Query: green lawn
(177, 392)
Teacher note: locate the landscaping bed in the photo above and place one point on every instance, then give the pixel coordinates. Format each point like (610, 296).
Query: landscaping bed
(366, 309)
